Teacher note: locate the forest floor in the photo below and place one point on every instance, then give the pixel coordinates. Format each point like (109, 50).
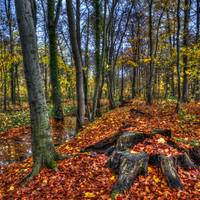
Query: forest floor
(84, 177)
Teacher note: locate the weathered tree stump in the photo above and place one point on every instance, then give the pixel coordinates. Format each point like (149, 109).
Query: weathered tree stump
(127, 167)
(169, 171)
(195, 154)
(187, 163)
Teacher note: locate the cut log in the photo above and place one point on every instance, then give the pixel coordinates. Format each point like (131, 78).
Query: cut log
(164, 132)
(139, 111)
(127, 167)
(194, 123)
(102, 146)
(129, 139)
(169, 171)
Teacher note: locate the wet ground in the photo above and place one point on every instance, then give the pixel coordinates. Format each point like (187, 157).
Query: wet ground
(18, 149)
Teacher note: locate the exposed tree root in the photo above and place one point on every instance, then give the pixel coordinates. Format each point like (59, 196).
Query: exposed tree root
(37, 166)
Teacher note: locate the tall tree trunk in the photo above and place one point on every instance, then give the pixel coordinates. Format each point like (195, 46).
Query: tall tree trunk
(54, 71)
(149, 95)
(87, 66)
(46, 71)
(42, 146)
(78, 29)
(97, 55)
(9, 16)
(5, 77)
(78, 64)
(5, 86)
(102, 61)
(173, 87)
(122, 86)
(197, 96)
(178, 61)
(16, 76)
(78, 34)
(185, 94)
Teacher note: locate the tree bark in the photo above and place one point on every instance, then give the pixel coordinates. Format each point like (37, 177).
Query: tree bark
(54, 71)
(5, 77)
(178, 61)
(78, 64)
(102, 62)
(97, 55)
(197, 96)
(12, 69)
(185, 94)
(42, 146)
(149, 95)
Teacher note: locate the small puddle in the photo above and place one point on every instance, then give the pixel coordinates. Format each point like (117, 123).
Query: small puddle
(18, 149)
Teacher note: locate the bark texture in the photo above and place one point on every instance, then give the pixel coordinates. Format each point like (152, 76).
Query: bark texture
(42, 146)
(78, 64)
(54, 71)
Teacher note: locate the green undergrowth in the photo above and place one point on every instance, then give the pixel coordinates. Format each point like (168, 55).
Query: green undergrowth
(22, 118)
(194, 143)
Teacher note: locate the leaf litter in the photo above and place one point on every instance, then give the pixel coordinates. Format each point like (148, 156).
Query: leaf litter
(83, 177)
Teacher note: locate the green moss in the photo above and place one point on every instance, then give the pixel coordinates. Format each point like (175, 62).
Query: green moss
(52, 164)
(138, 132)
(194, 144)
(179, 140)
(114, 193)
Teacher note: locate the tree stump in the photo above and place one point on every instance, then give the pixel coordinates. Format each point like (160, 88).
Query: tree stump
(169, 171)
(127, 167)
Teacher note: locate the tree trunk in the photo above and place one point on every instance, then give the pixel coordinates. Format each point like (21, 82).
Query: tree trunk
(16, 71)
(87, 67)
(178, 61)
(54, 71)
(78, 34)
(5, 77)
(12, 70)
(5, 86)
(197, 96)
(133, 84)
(185, 95)
(173, 86)
(149, 95)
(42, 146)
(78, 64)
(45, 78)
(122, 86)
(97, 55)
